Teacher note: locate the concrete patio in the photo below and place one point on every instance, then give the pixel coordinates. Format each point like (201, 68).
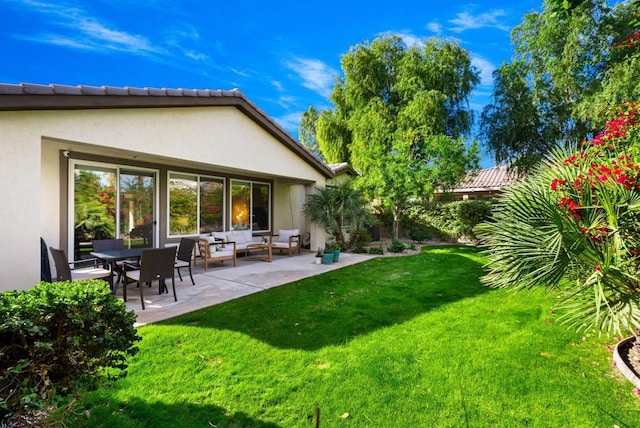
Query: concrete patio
(223, 282)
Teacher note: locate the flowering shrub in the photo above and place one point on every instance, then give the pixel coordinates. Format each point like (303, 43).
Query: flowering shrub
(574, 225)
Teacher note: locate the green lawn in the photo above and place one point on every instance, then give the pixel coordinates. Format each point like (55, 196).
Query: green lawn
(410, 341)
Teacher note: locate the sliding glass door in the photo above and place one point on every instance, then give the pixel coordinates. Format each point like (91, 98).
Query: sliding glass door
(108, 202)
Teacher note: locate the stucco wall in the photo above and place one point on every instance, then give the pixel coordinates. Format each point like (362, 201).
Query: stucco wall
(218, 137)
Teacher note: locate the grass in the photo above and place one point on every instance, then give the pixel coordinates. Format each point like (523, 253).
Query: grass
(393, 342)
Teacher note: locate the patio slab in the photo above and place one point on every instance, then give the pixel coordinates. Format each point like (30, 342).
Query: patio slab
(221, 283)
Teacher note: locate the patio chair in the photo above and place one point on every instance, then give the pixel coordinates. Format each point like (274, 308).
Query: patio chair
(183, 258)
(65, 273)
(288, 240)
(155, 264)
(218, 252)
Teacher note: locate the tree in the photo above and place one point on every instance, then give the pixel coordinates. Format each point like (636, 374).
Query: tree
(511, 126)
(399, 117)
(307, 131)
(336, 207)
(569, 75)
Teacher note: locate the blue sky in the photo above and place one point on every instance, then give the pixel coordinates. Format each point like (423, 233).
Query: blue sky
(283, 55)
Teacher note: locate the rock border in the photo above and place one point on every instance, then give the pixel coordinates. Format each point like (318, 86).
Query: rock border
(622, 363)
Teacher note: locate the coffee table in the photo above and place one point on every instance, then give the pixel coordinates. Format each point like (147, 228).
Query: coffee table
(268, 257)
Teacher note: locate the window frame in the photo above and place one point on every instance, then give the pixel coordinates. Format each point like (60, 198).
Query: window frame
(269, 200)
(198, 177)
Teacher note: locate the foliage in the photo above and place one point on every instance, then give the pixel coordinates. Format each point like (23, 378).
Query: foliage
(376, 251)
(562, 82)
(307, 131)
(576, 218)
(335, 207)
(420, 233)
(398, 118)
(452, 220)
(399, 325)
(57, 335)
(396, 246)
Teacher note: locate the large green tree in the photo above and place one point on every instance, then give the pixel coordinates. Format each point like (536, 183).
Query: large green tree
(307, 131)
(399, 116)
(567, 74)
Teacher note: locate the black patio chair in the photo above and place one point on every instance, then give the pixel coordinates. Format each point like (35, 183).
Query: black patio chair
(183, 258)
(155, 264)
(65, 273)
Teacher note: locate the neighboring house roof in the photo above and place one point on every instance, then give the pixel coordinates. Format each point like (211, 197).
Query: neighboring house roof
(490, 179)
(343, 167)
(27, 96)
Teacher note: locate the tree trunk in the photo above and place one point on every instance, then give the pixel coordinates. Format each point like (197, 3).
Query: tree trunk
(396, 222)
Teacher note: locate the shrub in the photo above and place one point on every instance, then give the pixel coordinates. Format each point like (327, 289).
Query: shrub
(396, 247)
(360, 250)
(576, 218)
(420, 233)
(456, 219)
(376, 250)
(58, 336)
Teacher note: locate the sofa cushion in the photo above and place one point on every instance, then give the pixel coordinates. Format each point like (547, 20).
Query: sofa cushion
(241, 236)
(285, 234)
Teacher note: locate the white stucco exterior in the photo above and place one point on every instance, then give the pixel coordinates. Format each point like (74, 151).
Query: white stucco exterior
(220, 139)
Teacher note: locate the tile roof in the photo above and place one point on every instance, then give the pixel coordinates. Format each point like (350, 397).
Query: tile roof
(496, 178)
(29, 96)
(55, 89)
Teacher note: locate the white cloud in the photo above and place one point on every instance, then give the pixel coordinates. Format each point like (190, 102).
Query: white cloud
(486, 69)
(466, 21)
(77, 30)
(278, 85)
(315, 74)
(290, 122)
(411, 39)
(435, 28)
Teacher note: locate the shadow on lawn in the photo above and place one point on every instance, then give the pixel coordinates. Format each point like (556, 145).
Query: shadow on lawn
(137, 412)
(335, 307)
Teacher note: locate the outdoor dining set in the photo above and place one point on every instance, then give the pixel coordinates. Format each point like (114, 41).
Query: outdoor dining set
(120, 266)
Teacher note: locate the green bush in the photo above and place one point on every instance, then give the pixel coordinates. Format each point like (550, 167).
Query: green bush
(376, 250)
(396, 247)
(56, 337)
(420, 232)
(360, 250)
(456, 219)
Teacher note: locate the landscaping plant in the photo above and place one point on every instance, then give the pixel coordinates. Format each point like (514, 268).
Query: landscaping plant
(574, 225)
(56, 337)
(336, 207)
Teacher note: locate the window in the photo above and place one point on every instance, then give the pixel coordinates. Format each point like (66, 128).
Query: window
(250, 206)
(111, 201)
(196, 204)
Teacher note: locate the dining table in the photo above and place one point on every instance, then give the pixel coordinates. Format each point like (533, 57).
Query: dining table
(112, 257)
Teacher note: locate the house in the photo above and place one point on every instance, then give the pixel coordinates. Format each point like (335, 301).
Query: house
(482, 184)
(149, 165)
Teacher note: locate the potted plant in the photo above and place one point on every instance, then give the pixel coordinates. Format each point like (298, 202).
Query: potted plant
(319, 255)
(327, 257)
(335, 250)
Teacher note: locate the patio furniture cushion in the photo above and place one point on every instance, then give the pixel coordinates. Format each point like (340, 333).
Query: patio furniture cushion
(285, 234)
(287, 239)
(216, 253)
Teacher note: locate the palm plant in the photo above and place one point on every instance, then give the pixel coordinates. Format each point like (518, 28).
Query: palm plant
(573, 226)
(335, 207)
